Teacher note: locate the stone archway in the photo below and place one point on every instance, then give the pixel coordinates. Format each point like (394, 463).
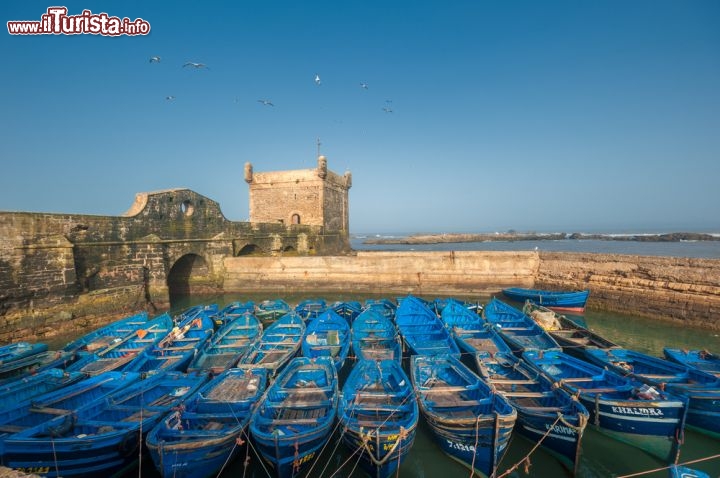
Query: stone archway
(190, 274)
(250, 250)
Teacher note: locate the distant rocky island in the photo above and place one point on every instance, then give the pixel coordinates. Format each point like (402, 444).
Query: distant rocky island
(519, 236)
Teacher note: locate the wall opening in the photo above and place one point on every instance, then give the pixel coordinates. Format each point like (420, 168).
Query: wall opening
(295, 219)
(250, 250)
(189, 273)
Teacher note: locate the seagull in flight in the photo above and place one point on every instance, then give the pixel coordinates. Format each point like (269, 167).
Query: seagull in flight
(363, 86)
(197, 66)
(387, 110)
(154, 59)
(266, 102)
(317, 80)
(170, 97)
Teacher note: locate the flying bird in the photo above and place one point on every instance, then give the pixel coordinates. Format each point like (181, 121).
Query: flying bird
(317, 80)
(154, 59)
(387, 110)
(266, 102)
(197, 66)
(363, 86)
(170, 98)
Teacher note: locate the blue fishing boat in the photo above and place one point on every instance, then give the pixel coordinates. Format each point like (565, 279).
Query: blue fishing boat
(423, 331)
(570, 301)
(279, 343)
(231, 311)
(19, 357)
(308, 309)
(470, 423)
(118, 355)
(546, 414)
(698, 359)
(347, 309)
(518, 330)
(228, 345)
(65, 401)
(270, 310)
(679, 471)
(379, 415)
(619, 407)
(295, 418)
(105, 336)
(101, 437)
(375, 337)
(439, 304)
(385, 306)
(177, 349)
(701, 389)
(210, 429)
(25, 388)
(470, 331)
(327, 335)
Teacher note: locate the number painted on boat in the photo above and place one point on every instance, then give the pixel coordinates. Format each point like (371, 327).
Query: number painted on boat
(38, 470)
(460, 446)
(304, 459)
(640, 411)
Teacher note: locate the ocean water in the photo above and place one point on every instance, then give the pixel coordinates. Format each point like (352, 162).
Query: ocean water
(696, 249)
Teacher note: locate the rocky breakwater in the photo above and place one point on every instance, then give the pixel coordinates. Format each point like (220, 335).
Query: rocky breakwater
(684, 290)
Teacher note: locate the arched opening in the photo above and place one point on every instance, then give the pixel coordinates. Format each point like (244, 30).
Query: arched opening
(249, 250)
(288, 250)
(295, 219)
(189, 274)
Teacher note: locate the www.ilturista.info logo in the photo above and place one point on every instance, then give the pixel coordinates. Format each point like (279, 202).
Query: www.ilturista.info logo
(57, 22)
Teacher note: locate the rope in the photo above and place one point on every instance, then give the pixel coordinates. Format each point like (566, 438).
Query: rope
(477, 438)
(526, 459)
(670, 466)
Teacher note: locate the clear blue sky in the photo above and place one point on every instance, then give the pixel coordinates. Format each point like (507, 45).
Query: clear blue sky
(529, 115)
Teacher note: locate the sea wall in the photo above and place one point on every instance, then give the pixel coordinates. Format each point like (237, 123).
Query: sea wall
(677, 289)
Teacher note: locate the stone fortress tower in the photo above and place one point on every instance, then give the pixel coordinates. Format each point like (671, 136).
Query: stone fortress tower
(315, 197)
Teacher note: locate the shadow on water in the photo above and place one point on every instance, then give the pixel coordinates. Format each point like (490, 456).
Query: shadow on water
(602, 457)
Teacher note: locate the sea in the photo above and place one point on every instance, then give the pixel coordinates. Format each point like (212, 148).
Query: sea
(602, 457)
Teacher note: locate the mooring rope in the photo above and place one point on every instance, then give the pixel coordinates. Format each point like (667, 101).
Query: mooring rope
(526, 459)
(669, 466)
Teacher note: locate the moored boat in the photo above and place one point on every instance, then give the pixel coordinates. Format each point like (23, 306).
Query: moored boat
(699, 359)
(228, 345)
(101, 437)
(470, 422)
(619, 407)
(231, 311)
(278, 343)
(470, 331)
(270, 310)
(570, 301)
(210, 429)
(385, 306)
(308, 309)
(518, 330)
(375, 337)
(18, 357)
(379, 415)
(327, 335)
(547, 415)
(100, 338)
(295, 417)
(348, 309)
(701, 389)
(422, 331)
(26, 388)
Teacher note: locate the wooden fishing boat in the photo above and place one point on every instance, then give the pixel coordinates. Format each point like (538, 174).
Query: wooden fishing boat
(228, 345)
(379, 415)
(308, 309)
(470, 331)
(375, 337)
(698, 359)
(208, 431)
(546, 414)
(570, 301)
(18, 357)
(327, 335)
(679, 471)
(58, 403)
(118, 355)
(422, 331)
(701, 389)
(177, 349)
(25, 388)
(34, 364)
(470, 423)
(270, 310)
(295, 418)
(231, 311)
(347, 309)
(572, 336)
(278, 344)
(619, 407)
(518, 330)
(103, 337)
(103, 437)
(385, 306)
(439, 304)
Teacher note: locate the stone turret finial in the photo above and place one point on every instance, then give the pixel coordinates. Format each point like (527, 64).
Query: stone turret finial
(322, 167)
(248, 173)
(348, 179)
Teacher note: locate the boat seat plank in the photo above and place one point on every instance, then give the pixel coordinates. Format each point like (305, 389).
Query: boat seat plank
(50, 410)
(526, 394)
(11, 428)
(504, 381)
(445, 389)
(295, 421)
(451, 402)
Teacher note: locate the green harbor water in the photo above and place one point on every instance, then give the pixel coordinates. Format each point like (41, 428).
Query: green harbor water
(601, 456)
